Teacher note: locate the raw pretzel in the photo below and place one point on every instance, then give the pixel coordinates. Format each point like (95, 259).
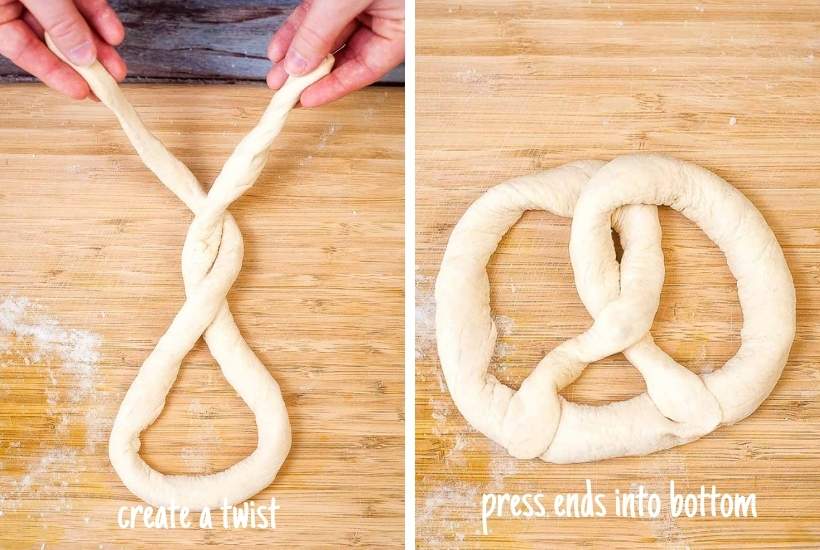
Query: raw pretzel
(211, 260)
(678, 406)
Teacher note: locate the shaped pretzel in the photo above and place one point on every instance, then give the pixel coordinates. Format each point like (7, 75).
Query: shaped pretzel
(535, 421)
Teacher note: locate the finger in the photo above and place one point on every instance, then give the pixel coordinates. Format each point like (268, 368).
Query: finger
(19, 43)
(110, 59)
(34, 24)
(276, 77)
(366, 58)
(315, 37)
(103, 19)
(344, 36)
(107, 55)
(67, 28)
(279, 44)
(10, 10)
(281, 41)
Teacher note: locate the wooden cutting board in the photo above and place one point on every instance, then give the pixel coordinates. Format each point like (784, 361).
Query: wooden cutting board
(89, 280)
(509, 88)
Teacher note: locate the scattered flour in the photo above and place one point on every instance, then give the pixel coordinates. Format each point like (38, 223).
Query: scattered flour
(425, 317)
(459, 443)
(504, 324)
(327, 134)
(478, 82)
(455, 458)
(28, 337)
(324, 139)
(457, 494)
(502, 466)
(665, 466)
(196, 461)
(502, 350)
(196, 408)
(442, 384)
(426, 323)
(468, 75)
(433, 524)
(446, 515)
(441, 410)
(76, 348)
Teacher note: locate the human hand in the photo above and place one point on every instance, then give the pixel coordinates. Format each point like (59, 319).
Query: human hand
(372, 32)
(84, 30)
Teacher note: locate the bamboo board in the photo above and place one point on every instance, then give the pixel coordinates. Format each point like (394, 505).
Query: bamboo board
(509, 88)
(93, 241)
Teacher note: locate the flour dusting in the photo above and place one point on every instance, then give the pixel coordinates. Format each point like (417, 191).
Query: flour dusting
(196, 459)
(502, 466)
(502, 350)
(76, 348)
(67, 359)
(324, 139)
(196, 408)
(450, 510)
(434, 525)
(425, 318)
(504, 325)
(455, 456)
(457, 494)
(479, 82)
(327, 134)
(441, 410)
(662, 468)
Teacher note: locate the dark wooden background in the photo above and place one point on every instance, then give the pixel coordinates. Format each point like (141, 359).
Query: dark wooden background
(199, 40)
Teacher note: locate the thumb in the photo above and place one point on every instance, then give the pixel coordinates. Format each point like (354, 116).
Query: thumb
(69, 30)
(317, 34)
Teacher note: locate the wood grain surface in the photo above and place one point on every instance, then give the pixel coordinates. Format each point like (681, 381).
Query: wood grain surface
(509, 88)
(199, 40)
(93, 241)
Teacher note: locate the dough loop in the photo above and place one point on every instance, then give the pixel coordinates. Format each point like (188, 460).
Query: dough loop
(678, 406)
(211, 260)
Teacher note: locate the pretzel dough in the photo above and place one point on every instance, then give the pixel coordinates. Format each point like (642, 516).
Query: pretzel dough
(678, 406)
(211, 260)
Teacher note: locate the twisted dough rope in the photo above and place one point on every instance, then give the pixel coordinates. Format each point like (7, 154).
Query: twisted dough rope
(678, 406)
(211, 260)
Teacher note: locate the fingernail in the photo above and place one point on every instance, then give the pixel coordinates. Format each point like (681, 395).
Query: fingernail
(82, 55)
(295, 63)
